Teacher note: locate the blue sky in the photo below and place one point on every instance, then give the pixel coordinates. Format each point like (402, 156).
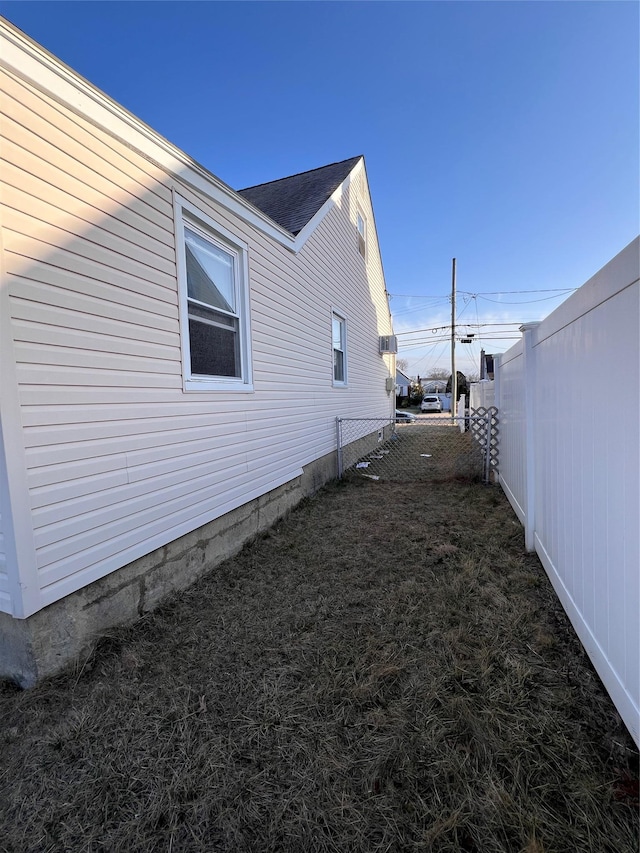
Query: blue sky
(505, 134)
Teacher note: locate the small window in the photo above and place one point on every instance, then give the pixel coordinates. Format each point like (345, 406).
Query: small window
(213, 302)
(362, 234)
(339, 335)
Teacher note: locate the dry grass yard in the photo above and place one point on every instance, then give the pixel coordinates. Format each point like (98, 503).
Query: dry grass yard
(386, 671)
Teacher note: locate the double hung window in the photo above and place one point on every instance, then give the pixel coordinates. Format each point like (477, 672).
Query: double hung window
(339, 335)
(214, 303)
(213, 319)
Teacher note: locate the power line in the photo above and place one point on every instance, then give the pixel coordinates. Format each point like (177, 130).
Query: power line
(416, 296)
(410, 345)
(526, 302)
(484, 293)
(435, 340)
(515, 292)
(436, 329)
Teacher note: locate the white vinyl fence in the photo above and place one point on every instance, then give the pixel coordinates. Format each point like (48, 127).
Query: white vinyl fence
(568, 397)
(482, 394)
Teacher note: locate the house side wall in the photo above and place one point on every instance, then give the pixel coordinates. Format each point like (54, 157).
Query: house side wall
(34, 648)
(119, 459)
(8, 562)
(6, 600)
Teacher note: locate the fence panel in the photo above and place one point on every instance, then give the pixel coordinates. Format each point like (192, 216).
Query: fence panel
(571, 467)
(482, 394)
(430, 448)
(512, 428)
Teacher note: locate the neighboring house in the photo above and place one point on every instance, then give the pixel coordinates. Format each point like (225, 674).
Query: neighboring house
(174, 356)
(434, 386)
(403, 386)
(486, 365)
(438, 387)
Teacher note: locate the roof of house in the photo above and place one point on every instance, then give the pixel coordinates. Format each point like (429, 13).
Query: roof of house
(293, 201)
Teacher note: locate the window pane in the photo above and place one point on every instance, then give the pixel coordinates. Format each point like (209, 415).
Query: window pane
(338, 339)
(198, 312)
(338, 366)
(214, 348)
(209, 273)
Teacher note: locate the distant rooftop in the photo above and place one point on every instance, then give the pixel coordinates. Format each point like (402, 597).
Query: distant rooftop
(293, 201)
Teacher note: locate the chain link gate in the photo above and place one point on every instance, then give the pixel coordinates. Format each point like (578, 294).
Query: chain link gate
(431, 448)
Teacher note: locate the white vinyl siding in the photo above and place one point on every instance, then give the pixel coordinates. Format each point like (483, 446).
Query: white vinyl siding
(119, 459)
(6, 605)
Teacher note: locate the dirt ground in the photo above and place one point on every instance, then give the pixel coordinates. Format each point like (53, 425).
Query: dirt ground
(385, 670)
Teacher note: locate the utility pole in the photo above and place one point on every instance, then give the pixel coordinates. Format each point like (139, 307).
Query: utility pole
(454, 375)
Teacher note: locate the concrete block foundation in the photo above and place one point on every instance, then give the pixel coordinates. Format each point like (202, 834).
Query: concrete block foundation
(65, 631)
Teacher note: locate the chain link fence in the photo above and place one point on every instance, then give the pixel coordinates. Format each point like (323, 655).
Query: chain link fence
(429, 448)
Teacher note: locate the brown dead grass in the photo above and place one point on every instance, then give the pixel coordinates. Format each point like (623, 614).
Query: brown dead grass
(386, 670)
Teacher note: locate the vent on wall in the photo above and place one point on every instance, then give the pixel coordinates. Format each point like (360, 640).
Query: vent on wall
(388, 343)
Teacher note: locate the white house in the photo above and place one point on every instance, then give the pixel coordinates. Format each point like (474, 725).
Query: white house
(403, 384)
(174, 356)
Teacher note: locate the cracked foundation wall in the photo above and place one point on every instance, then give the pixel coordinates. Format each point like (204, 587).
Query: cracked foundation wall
(65, 631)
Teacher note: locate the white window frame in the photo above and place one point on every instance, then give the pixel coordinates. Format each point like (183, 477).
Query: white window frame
(187, 214)
(338, 315)
(362, 233)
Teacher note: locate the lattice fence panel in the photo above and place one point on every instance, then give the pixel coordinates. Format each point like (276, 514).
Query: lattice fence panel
(480, 420)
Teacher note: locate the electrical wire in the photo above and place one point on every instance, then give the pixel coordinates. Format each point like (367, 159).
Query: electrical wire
(419, 342)
(467, 325)
(440, 335)
(512, 292)
(485, 293)
(526, 302)
(417, 296)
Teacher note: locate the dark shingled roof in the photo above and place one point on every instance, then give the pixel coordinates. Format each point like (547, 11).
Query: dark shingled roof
(293, 201)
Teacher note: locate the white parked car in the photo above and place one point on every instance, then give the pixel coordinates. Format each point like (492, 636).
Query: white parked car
(431, 403)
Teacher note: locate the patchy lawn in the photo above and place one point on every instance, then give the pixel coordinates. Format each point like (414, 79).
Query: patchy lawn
(386, 670)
